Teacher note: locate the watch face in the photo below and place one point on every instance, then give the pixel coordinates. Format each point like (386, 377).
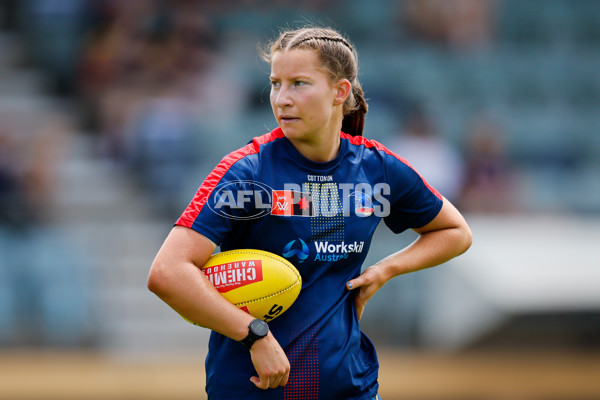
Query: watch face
(259, 327)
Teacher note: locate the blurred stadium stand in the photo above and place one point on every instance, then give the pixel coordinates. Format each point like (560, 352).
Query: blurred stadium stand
(537, 75)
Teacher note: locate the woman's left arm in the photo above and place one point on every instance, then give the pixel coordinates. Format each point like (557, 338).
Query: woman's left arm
(444, 238)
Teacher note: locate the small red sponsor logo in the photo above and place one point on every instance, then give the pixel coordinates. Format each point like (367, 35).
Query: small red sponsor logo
(283, 201)
(226, 277)
(289, 203)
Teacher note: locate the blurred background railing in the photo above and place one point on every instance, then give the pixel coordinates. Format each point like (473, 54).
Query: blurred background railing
(112, 112)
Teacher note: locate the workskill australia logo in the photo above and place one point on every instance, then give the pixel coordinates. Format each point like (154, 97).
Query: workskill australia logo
(226, 277)
(326, 251)
(322, 250)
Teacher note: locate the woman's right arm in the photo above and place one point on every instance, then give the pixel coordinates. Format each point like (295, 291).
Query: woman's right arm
(176, 278)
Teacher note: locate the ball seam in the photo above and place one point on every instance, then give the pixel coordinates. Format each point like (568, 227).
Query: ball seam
(245, 303)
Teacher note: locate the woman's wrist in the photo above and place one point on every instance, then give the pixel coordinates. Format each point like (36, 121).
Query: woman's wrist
(389, 267)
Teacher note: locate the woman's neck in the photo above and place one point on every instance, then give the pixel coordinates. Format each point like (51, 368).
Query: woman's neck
(323, 150)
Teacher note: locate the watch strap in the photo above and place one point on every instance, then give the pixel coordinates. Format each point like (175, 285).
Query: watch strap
(253, 335)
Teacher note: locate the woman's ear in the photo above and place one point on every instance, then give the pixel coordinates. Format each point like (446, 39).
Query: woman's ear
(343, 91)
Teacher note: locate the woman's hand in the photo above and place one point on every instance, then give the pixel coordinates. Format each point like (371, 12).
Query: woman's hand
(176, 277)
(270, 362)
(442, 239)
(368, 283)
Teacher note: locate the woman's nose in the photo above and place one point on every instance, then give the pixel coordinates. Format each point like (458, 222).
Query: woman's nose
(282, 97)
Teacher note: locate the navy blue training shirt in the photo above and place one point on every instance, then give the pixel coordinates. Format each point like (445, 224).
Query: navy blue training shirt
(321, 217)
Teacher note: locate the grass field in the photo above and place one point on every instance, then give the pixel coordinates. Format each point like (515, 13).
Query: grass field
(498, 375)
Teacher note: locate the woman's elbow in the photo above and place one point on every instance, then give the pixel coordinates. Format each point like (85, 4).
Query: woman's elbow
(466, 238)
(157, 279)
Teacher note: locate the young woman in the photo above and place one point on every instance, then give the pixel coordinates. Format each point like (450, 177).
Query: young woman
(340, 185)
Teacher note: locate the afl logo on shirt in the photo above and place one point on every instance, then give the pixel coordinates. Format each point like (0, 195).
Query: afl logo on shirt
(241, 200)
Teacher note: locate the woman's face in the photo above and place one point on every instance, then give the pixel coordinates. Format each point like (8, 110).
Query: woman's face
(302, 97)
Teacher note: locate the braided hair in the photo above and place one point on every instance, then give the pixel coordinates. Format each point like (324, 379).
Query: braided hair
(341, 61)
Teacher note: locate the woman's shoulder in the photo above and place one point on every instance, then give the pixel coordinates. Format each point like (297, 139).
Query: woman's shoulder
(255, 146)
(376, 147)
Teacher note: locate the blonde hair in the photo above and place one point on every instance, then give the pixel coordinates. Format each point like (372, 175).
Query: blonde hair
(339, 58)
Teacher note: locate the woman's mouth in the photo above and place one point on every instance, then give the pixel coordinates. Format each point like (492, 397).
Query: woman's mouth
(287, 118)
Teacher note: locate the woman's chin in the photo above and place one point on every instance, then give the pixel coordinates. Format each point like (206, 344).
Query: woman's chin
(292, 133)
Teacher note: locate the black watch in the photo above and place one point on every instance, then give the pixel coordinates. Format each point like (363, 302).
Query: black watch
(257, 329)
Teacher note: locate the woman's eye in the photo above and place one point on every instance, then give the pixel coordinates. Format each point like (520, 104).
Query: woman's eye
(275, 84)
(299, 83)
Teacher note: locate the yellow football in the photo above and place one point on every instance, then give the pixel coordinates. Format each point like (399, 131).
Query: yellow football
(261, 283)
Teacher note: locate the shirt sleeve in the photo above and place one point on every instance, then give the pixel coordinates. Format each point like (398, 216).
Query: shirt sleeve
(413, 202)
(218, 204)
